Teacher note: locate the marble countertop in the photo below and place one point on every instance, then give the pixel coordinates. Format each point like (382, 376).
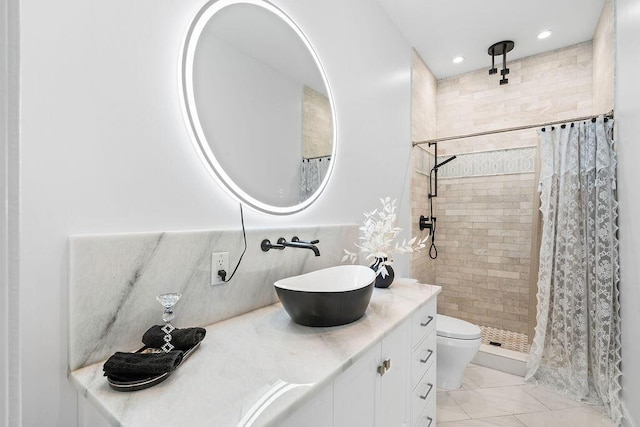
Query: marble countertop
(254, 369)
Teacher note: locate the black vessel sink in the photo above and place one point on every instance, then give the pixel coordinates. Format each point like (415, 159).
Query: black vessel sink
(328, 297)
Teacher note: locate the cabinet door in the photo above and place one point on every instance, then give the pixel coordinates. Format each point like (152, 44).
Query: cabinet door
(354, 392)
(317, 412)
(392, 404)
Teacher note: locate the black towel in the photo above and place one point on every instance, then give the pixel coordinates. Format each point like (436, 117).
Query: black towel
(181, 339)
(132, 366)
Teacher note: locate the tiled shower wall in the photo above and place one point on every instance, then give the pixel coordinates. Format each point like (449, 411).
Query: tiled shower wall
(604, 60)
(423, 126)
(484, 244)
(317, 124)
(487, 202)
(551, 86)
(485, 207)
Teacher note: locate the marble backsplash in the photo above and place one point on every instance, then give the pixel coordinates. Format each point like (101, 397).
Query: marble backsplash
(114, 280)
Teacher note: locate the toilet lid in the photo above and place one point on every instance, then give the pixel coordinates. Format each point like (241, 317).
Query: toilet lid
(450, 327)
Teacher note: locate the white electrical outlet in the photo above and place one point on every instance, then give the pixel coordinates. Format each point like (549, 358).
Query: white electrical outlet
(219, 261)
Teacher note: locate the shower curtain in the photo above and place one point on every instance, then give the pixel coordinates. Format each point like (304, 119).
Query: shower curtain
(312, 172)
(576, 347)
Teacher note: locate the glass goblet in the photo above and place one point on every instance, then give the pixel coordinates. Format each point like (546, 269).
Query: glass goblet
(168, 300)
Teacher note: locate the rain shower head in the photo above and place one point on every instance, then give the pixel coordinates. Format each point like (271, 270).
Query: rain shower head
(497, 49)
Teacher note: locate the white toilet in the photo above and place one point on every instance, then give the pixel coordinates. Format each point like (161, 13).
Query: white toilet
(458, 342)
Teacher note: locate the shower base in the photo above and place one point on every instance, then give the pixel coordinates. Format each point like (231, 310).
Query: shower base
(511, 356)
(509, 340)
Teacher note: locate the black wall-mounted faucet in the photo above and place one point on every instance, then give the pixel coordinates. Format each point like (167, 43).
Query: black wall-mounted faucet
(282, 243)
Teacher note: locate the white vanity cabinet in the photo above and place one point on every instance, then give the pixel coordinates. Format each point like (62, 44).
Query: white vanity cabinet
(373, 391)
(393, 384)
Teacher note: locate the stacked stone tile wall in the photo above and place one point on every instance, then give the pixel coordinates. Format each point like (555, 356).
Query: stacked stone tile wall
(423, 126)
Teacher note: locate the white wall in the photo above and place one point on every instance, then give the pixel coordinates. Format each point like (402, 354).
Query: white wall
(4, 283)
(627, 110)
(104, 148)
(9, 127)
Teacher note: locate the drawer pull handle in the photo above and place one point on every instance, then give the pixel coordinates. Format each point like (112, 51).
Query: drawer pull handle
(387, 364)
(425, 323)
(424, 396)
(426, 421)
(381, 370)
(428, 356)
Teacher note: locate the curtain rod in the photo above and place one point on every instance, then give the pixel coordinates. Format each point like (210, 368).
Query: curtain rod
(608, 115)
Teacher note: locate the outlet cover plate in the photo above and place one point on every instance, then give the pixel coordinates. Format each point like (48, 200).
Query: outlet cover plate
(219, 261)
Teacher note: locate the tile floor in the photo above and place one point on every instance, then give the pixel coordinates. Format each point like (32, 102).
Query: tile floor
(493, 398)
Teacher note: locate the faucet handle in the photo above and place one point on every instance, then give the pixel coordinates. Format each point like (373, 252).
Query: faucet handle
(312, 242)
(266, 245)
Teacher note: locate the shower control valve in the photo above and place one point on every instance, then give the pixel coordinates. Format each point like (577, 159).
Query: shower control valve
(425, 223)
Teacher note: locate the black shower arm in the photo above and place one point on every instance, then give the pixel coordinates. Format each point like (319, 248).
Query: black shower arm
(443, 163)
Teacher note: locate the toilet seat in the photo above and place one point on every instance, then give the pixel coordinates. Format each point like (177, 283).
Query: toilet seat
(450, 327)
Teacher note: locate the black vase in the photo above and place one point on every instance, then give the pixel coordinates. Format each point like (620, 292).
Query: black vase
(382, 282)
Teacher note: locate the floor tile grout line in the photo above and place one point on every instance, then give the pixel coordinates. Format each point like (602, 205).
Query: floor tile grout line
(524, 388)
(520, 421)
(445, 423)
(457, 404)
(547, 409)
(491, 386)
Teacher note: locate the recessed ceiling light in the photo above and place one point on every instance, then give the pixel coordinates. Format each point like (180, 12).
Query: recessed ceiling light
(458, 59)
(544, 34)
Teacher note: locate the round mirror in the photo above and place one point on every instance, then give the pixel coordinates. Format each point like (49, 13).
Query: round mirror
(258, 104)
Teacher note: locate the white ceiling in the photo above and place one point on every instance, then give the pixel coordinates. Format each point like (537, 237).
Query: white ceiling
(439, 30)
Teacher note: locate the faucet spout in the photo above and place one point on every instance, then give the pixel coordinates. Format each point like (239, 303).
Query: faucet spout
(297, 243)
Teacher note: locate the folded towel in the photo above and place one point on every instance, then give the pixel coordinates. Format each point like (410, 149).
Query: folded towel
(181, 339)
(138, 365)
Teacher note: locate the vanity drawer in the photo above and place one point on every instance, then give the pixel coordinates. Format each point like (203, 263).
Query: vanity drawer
(428, 417)
(423, 322)
(422, 358)
(423, 399)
